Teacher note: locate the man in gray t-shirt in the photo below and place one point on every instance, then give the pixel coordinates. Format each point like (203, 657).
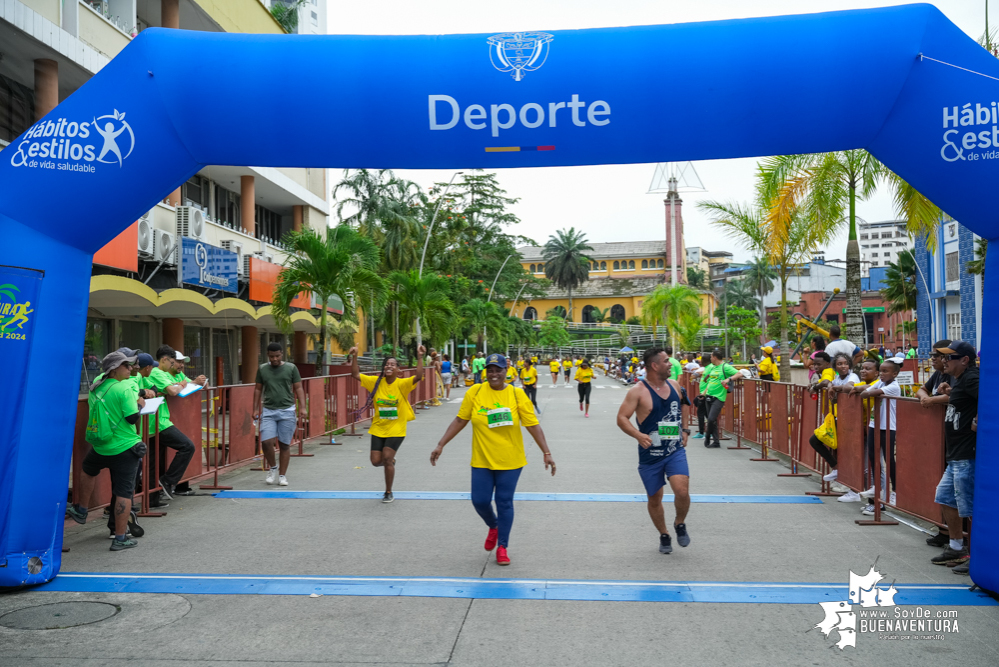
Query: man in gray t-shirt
(278, 383)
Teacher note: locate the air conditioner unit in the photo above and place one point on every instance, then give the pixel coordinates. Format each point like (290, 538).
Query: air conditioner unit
(191, 222)
(244, 266)
(164, 247)
(236, 247)
(145, 237)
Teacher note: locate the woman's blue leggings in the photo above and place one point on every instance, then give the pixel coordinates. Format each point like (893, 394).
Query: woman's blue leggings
(504, 482)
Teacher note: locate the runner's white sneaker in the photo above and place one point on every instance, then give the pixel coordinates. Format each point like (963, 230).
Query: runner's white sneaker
(849, 497)
(891, 500)
(272, 476)
(282, 481)
(831, 477)
(868, 494)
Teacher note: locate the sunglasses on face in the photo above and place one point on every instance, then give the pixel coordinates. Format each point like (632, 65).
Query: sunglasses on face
(956, 357)
(936, 355)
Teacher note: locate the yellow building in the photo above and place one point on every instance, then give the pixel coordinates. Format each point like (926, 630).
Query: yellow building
(621, 276)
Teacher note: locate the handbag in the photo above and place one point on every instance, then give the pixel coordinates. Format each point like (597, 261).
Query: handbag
(826, 433)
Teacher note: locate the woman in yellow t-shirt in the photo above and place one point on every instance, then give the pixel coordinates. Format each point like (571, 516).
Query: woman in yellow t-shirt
(529, 378)
(511, 375)
(768, 366)
(584, 376)
(387, 395)
(567, 369)
(554, 365)
(497, 412)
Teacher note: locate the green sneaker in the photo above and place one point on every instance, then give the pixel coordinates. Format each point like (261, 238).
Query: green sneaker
(75, 514)
(120, 545)
(699, 436)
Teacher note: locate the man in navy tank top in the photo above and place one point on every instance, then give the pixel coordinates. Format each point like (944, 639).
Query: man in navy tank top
(657, 404)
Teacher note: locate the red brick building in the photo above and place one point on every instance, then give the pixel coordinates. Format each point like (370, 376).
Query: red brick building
(881, 328)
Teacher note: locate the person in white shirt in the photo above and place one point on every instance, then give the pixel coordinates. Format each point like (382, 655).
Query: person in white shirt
(888, 389)
(837, 345)
(691, 364)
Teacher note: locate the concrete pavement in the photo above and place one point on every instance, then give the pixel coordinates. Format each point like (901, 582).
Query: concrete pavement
(551, 540)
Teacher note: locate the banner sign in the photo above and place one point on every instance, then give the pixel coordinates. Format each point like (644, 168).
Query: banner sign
(19, 290)
(206, 265)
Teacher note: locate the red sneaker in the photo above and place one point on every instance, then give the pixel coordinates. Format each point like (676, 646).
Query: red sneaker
(501, 557)
(491, 539)
(580, 407)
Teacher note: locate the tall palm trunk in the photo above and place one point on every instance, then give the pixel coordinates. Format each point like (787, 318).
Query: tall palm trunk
(568, 317)
(763, 316)
(395, 326)
(785, 357)
(854, 309)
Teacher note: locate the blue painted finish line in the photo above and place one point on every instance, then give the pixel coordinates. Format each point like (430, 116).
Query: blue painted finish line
(462, 495)
(506, 589)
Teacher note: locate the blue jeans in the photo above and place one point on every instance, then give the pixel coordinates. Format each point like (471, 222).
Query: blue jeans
(484, 481)
(957, 487)
(477, 377)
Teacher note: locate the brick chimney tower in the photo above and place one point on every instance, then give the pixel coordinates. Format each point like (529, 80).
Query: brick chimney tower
(674, 208)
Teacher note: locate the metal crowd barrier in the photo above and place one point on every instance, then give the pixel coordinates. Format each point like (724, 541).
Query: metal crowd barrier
(220, 419)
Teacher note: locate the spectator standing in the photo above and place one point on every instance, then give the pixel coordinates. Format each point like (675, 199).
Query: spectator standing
(818, 345)
(889, 390)
(715, 388)
(478, 365)
(446, 376)
(931, 394)
(115, 444)
(768, 367)
(168, 380)
(837, 345)
(278, 384)
(675, 367)
(955, 493)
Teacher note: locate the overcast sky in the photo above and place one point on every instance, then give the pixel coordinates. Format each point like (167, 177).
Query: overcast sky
(610, 202)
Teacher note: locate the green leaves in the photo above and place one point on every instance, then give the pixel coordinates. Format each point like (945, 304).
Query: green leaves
(566, 261)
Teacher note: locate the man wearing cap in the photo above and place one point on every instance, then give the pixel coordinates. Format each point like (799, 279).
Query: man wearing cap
(955, 493)
(164, 379)
(113, 411)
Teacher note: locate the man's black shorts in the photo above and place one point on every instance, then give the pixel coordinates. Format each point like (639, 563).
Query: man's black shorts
(122, 466)
(378, 443)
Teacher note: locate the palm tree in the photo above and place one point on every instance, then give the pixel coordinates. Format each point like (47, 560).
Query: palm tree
(795, 244)
(976, 267)
(900, 285)
(697, 278)
(479, 314)
(762, 276)
(598, 315)
(566, 263)
(368, 193)
(824, 186)
(339, 262)
(688, 331)
(667, 304)
(741, 293)
(425, 299)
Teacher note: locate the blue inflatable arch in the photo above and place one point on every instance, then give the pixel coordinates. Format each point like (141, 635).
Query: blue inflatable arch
(904, 83)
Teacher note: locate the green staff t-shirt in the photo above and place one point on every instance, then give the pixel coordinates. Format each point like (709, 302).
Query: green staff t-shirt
(116, 400)
(713, 377)
(160, 380)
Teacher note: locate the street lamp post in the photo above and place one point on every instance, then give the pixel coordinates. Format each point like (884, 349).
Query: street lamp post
(426, 243)
(485, 341)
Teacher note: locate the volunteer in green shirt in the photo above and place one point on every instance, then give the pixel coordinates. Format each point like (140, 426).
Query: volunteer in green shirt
(675, 367)
(279, 383)
(113, 412)
(714, 385)
(165, 381)
(478, 365)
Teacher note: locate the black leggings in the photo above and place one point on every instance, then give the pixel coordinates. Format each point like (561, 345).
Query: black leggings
(713, 406)
(825, 452)
(532, 393)
(870, 453)
(584, 392)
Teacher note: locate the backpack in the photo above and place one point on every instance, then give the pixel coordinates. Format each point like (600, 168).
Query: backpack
(99, 427)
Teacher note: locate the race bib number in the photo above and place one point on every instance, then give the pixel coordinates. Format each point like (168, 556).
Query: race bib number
(669, 430)
(499, 417)
(388, 413)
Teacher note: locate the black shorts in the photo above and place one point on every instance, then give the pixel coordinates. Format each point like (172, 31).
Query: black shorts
(379, 443)
(568, 372)
(123, 468)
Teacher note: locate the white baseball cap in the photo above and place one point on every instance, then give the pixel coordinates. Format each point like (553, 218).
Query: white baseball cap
(180, 356)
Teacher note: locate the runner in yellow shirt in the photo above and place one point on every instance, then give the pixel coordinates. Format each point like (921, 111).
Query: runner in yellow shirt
(511, 375)
(555, 365)
(388, 396)
(567, 369)
(584, 376)
(529, 378)
(496, 411)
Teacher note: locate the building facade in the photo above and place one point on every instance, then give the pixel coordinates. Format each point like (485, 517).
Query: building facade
(621, 276)
(948, 298)
(197, 271)
(880, 327)
(881, 242)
